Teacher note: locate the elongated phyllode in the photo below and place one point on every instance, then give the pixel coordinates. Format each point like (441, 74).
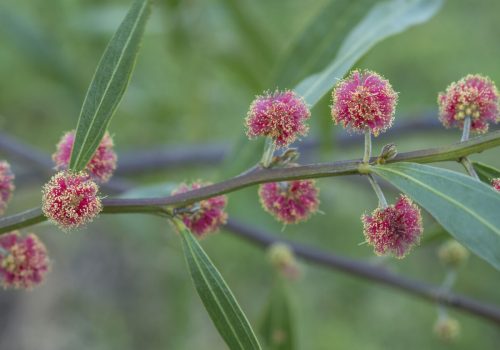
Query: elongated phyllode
(474, 96)
(395, 229)
(71, 199)
(205, 216)
(6, 185)
(290, 202)
(23, 260)
(496, 184)
(364, 100)
(280, 115)
(101, 166)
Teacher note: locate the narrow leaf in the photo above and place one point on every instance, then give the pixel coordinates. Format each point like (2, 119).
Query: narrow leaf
(466, 208)
(485, 172)
(277, 327)
(384, 20)
(218, 299)
(109, 84)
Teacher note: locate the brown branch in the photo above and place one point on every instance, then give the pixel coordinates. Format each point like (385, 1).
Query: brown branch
(374, 273)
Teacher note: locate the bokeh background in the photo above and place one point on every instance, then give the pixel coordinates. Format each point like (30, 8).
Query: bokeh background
(121, 283)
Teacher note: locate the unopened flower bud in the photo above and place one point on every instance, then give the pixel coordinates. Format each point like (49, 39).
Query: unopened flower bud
(453, 254)
(447, 329)
(283, 259)
(388, 152)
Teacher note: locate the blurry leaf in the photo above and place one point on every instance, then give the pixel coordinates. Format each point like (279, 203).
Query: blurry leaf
(485, 172)
(383, 20)
(277, 327)
(320, 40)
(218, 299)
(109, 84)
(35, 46)
(466, 208)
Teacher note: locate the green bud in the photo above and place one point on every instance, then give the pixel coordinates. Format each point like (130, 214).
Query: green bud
(453, 254)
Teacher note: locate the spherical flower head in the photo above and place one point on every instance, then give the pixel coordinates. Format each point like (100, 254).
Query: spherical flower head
(23, 260)
(474, 96)
(394, 229)
(290, 202)
(205, 216)
(453, 254)
(364, 100)
(71, 199)
(6, 185)
(101, 166)
(280, 115)
(283, 260)
(496, 184)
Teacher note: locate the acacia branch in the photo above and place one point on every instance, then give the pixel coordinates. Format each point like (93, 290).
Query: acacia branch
(259, 175)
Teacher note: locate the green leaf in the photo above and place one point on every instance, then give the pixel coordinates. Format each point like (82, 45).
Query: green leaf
(218, 299)
(109, 84)
(318, 43)
(466, 208)
(485, 172)
(383, 20)
(277, 327)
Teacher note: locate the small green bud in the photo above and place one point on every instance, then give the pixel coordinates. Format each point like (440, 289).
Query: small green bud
(453, 254)
(388, 152)
(282, 258)
(447, 329)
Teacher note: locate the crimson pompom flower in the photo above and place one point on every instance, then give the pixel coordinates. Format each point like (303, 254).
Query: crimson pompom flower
(205, 216)
(496, 184)
(474, 96)
(280, 115)
(23, 260)
(290, 202)
(71, 199)
(6, 185)
(364, 100)
(394, 229)
(101, 166)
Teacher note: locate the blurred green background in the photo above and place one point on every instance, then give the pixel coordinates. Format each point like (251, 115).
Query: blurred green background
(122, 283)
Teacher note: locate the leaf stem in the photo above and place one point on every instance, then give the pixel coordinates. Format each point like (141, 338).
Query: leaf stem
(382, 202)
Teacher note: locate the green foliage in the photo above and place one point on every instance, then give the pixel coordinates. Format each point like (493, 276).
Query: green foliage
(218, 299)
(109, 84)
(383, 20)
(485, 172)
(466, 208)
(277, 326)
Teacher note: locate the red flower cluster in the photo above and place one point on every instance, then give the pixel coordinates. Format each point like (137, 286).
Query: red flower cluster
(71, 199)
(290, 202)
(23, 260)
(364, 100)
(205, 216)
(496, 184)
(6, 185)
(474, 96)
(394, 229)
(280, 115)
(101, 166)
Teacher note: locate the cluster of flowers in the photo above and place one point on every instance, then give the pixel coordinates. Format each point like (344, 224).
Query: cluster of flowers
(363, 102)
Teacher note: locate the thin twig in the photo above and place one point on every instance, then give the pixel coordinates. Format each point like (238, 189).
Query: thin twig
(374, 273)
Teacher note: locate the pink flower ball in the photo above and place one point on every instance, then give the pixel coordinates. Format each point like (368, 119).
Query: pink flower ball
(290, 202)
(280, 115)
(205, 216)
(474, 96)
(101, 166)
(71, 199)
(364, 100)
(6, 185)
(395, 229)
(496, 184)
(23, 260)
